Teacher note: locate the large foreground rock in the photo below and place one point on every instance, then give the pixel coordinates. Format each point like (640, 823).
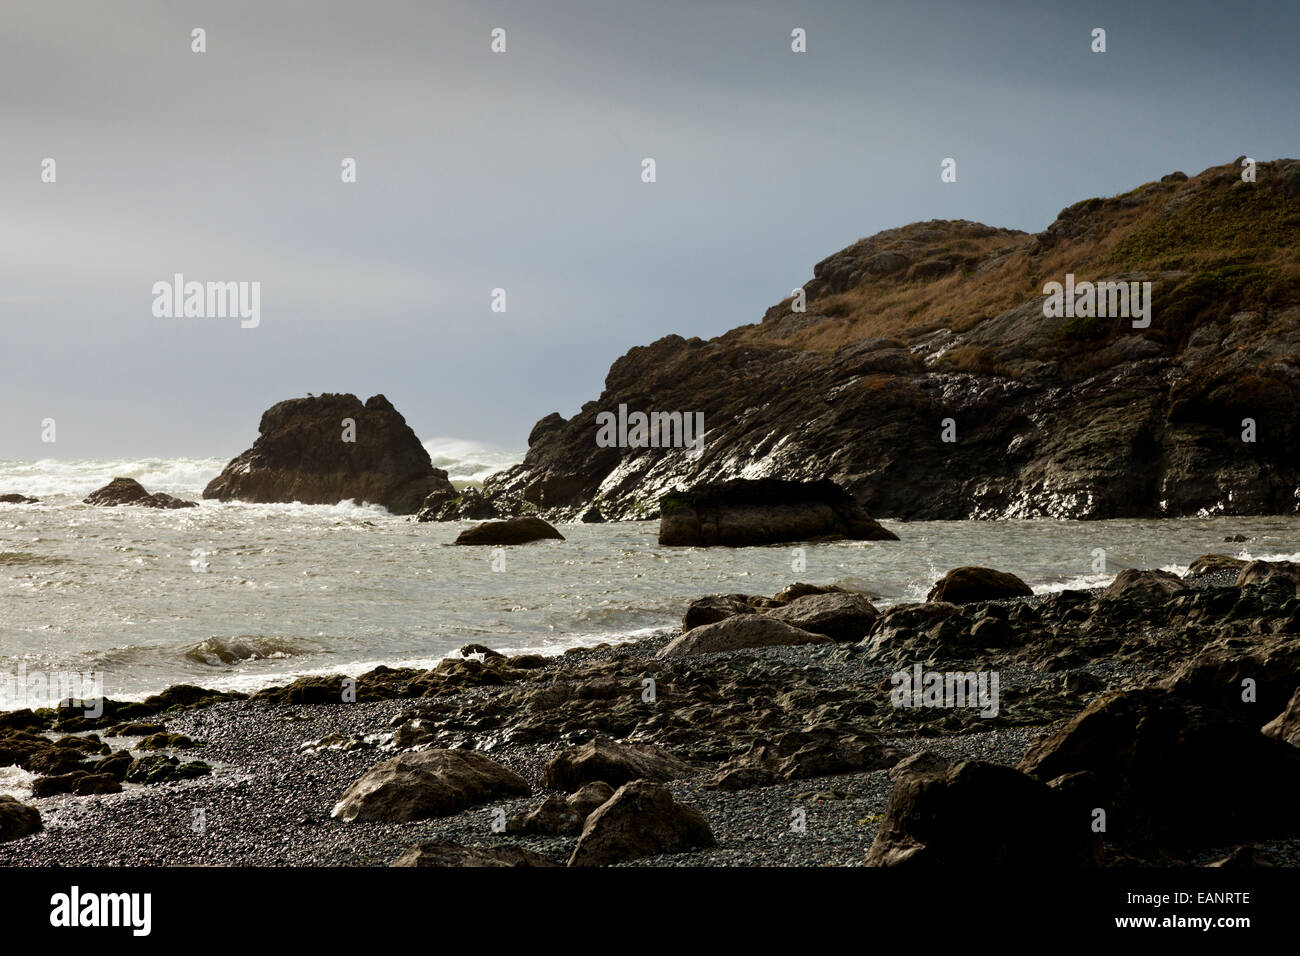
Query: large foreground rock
(429, 783)
(641, 819)
(613, 763)
(1257, 571)
(510, 531)
(444, 853)
(746, 512)
(1218, 672)
(17, 819)
(128, 491)
(301, 455)
(969, 584)
(1155, 585)
(1172, 772)
(840, 616)
(979, 815)
(734, 633)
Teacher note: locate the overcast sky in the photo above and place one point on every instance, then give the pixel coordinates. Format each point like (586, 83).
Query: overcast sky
(522, 171)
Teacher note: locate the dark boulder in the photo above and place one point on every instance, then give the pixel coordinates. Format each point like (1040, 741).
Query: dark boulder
(302, 453)
(1174, 773)
(969, 584)
(715, 608)
(17, 819)
(979, 814)
(18, 500)
(510, 531)
(840, 616)
(746, 512)
(1146, 585)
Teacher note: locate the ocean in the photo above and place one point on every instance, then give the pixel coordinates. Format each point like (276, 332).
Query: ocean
(240, 596)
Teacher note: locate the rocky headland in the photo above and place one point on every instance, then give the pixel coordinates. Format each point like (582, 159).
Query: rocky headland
(923, 377)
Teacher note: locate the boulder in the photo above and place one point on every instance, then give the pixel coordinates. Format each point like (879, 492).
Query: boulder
(745, 512)
(969, 584)
(429, 783)
(1257, 571)
(128, 491)
(640, 819)
(804, 754)
(449, 505)
(613, 763)
(1154, 584)
(840, 616)
(734, 633)
(509, 531)
(303, 453)
(444, 853)
(18, 500)
(1286, 725)
(976, 813)
(1215, 674)
(1174, 773)
(17, 819)
(714, 608)
(797, 590)
(1208, 564)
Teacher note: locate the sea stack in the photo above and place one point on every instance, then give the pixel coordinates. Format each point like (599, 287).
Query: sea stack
(330, 448)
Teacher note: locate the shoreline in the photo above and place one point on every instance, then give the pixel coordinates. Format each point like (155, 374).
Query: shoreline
(282, 758)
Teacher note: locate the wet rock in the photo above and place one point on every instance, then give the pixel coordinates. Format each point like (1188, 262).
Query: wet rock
(128, 491)
(797, 590)
(641, 819)
(1212, 564)
(733, 633)
(448, 505)
(1154, 584)
(17, 820)
(166, 741)
(975, 812)
(95, 784)
(430, 783)
(18, 500)
(613, 763)
(157, 768)
(303, 453)
(510, 531)
(969, 584)
(841, 617)
(746, 512)
(443, 853)
(1175, 773)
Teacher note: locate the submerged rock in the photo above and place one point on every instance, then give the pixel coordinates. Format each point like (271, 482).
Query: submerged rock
(331, 448)
(746, 512)
(128, 491)
(18, 500)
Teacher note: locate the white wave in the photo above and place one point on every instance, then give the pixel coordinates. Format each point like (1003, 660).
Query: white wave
(52, 477)
(469, 461)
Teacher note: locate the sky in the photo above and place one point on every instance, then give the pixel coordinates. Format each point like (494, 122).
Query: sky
(522, 171)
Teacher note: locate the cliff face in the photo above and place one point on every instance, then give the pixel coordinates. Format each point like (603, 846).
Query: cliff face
(1069, 416)
(305, 452)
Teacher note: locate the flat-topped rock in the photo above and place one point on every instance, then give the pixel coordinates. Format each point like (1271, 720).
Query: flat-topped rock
(510, 531)
(330, 448)
(746, 512)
